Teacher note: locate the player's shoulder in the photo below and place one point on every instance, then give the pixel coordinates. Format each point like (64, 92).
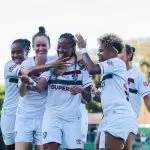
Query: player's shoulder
(10, 65)
(52, 58)
(116, 62)
(28, 61)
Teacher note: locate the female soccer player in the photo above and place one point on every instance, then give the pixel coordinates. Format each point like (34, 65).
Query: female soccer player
(138, 90)
(19, 52)
(61, 121)
(31, 107)
(118, 114)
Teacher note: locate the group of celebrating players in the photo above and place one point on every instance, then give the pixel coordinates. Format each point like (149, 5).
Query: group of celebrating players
(46, 96)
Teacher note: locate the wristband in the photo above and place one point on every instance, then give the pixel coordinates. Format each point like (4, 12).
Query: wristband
(84, 50)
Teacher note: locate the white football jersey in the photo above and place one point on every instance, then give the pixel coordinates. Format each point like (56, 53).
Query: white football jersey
(33, 103)
(60, 101)
(114, 87)
(138, 88)
(11, 90)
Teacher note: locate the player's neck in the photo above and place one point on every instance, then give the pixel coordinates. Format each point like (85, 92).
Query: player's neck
(128, 65)
(71, 60)
(40, 60)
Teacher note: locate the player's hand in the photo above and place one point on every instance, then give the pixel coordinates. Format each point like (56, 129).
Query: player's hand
(26, 80)
(60, 71)
(25, 71)
(61, 63)
(76, 89)
(81, 42)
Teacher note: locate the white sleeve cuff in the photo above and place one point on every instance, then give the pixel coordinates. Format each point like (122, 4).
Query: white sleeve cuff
(45, 77)
(84, 50)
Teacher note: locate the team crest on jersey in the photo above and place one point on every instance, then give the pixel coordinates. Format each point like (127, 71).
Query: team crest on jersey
(44, 135)
(79, 141)
(75, 77)
(109, 62)
(145, 83)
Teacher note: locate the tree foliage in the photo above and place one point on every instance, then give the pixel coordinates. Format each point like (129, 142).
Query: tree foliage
(2, 93)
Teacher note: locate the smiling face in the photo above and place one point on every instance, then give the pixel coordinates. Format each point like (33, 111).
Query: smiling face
(104, 53)
(64, 48)
(41, 46)
(18, 54)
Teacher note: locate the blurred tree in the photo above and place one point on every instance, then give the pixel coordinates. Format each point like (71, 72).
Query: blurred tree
(95, 106)
(2, 93)
(145, 66)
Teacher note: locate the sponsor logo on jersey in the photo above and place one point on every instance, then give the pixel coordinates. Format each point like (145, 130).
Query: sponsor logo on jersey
(60, 87)
(44, 135)
(110, 63)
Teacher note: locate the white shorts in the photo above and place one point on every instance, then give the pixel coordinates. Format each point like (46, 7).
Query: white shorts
(8, 129)
(29, 130)
(117, 125)
(67, 133)
(84, 126)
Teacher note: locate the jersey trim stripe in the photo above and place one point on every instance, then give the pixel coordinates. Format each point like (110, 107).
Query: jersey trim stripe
(134, 91)
(108, 76)
(65, 82)
(146, 93)
(72, 72)
(13, 80)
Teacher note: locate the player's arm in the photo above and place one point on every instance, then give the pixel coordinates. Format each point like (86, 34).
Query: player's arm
(144, 90)
(27, 81)
(96, 96)
(58, 64)
(91, 67)
(83, 101)
(22, 88)
(85, 92)
(10, 70)
(147, 101)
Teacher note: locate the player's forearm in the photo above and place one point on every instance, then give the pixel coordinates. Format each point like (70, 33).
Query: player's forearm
(96, 96)
(22, 89)
(91, 67)
(147, 102)
(39, 69)
(89, 63)
(83, 101)
(86, 94)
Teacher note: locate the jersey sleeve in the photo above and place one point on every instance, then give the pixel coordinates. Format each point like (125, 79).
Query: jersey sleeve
(11, 69)
(144, 89)
(46, 75)
(26, 63)
(86, 79)
(111, 66)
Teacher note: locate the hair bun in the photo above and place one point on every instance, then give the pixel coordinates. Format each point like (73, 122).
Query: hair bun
(27, 41)
(42, 30)
(133, 49)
